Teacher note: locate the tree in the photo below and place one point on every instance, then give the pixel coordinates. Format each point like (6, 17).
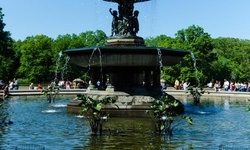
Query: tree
(168, 73)
(84, 39)
(37, 59)
(195, 40)
(6, 52)
(233, 59)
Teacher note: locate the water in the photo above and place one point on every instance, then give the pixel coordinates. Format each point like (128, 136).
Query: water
(58, 63)
(160, 58)
(196, 70)
(217, 124)
(65, 66)
(92, 62)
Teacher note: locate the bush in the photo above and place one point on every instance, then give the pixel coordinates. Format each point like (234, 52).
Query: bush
(23, 82)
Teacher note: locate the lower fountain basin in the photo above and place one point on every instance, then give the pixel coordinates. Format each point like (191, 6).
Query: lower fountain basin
(218, 124)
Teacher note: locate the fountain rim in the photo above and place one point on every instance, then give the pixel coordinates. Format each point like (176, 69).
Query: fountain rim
(127, 49)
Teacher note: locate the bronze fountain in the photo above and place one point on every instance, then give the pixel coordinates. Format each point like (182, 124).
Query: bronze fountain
(126, 62)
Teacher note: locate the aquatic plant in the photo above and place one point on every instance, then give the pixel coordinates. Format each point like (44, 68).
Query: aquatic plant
(248, 104)
(96, 114)
(196, 93)
(51, 92)
(164, 111)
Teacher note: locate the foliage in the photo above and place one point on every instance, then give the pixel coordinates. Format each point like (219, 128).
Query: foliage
(36, 61)
(51, 92)
(6, 52)
(195, 40)
(164, 113)
(94, 108)
(196, 93)
(23, 81)
(233, 59)
(84, 39)
(35, 57)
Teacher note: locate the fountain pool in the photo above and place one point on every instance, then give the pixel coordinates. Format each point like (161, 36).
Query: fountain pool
(217, 125)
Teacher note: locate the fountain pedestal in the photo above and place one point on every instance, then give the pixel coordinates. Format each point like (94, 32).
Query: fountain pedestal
(125, 41)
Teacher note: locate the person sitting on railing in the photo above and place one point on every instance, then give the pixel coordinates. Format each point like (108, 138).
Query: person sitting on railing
(31, 86)
(39, 86)
(243, 87)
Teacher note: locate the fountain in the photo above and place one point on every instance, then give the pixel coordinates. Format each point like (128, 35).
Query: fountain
(127, 64)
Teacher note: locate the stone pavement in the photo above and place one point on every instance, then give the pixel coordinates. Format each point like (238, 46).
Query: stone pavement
(23, 90)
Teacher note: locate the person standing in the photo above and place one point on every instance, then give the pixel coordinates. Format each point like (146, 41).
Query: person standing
(16, 84)
(68, 84)
(210, 84)
(98, 83)
(11, 85)
(226, 85)
(185, 85)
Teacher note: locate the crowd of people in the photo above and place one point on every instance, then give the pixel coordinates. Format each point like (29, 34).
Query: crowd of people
(11, 85)
(217, 86)
(14, 85)
(230, 86)
(181, 85)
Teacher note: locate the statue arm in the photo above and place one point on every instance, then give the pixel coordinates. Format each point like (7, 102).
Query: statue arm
(110, 10)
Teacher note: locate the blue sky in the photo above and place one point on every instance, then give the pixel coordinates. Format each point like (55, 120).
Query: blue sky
(220, 18)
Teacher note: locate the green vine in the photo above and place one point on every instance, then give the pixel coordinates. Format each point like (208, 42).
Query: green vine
(94, 109)
(164, 111)
(51, 92)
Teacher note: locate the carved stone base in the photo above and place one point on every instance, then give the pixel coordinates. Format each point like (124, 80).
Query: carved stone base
(125, 41)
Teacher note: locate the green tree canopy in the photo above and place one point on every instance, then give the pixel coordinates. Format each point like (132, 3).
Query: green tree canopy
(36, 63)
(6, 52)
(233, 59)
(198, 42)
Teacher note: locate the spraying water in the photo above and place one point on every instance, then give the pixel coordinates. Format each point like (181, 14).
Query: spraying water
(64, 67)
(196, 70)
(160, 58)
(100, 61)
(161, 66)
(57, 63)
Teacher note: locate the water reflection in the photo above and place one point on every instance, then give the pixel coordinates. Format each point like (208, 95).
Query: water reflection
(216, 124)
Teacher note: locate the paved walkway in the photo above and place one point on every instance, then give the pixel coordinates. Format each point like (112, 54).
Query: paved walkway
(23, 90)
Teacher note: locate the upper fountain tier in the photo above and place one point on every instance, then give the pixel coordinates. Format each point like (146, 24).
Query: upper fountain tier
(125, 24)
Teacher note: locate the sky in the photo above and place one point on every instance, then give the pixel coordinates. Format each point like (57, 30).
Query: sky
(219, 18)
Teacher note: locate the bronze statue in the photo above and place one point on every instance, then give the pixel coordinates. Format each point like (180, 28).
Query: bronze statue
(114, 29)
(126, 24)
(135, 23)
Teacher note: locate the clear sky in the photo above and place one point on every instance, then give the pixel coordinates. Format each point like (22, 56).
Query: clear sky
(219, 18)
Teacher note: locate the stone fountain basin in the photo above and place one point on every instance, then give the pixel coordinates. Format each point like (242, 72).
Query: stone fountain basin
(125, 56)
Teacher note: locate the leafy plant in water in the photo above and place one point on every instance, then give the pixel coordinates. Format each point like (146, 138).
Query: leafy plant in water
(196, 93)
(51, 92)
(94, 108)
(248, 101)
(164, 112)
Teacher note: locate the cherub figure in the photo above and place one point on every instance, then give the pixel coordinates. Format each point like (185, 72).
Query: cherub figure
(114, 25)
(135, 22)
